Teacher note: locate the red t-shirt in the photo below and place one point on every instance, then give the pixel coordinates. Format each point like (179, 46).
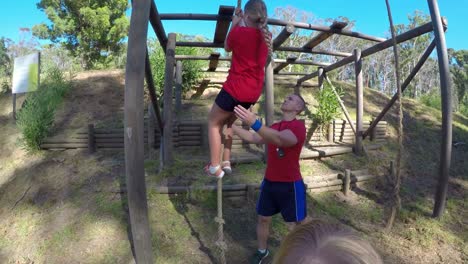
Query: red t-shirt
(286, 169)
(249, 53)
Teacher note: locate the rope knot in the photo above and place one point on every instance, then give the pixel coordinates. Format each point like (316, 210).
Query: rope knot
(219, 220)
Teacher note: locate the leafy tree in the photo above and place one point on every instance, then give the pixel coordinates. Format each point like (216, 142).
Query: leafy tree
(5, 66)
(91, 29)
(459, 70)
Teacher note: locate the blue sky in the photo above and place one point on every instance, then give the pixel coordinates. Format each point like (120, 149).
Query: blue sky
(370, 15)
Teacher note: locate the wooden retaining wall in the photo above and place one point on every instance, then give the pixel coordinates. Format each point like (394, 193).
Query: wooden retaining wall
(191, 134)
(342, 131)
(315, 184)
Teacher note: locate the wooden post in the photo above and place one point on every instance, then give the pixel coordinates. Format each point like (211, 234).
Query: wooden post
(446, 94)
(347, 182)
(269, 98)
(331, 132)
(151, 138)
(178, 87)
(359, 101)
(91, 141)
(14, 106)
(168, 92)
(134, 134)
(373, 132)
(320, 78)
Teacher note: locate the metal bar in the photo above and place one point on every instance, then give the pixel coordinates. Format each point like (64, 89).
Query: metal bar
(405, 84)
(374, 49)
(446, 94)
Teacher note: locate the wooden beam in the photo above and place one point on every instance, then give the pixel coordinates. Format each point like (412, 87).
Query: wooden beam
(405, 84)
(168, 92)
(134, 132)
(271, 21)
(152, 90)
(284, 64)
(283, 36)
(222, 25)
(322, 36)
(214, 58)
(359, 101)
(316, 51)
(155, 20)
(178, 87)
(374, 49)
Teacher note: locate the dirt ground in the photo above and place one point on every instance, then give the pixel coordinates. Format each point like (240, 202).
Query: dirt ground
(68, 206)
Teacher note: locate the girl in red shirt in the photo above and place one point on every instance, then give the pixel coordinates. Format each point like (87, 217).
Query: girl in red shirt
(250, 43)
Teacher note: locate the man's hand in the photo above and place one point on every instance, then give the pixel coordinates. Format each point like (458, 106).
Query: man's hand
(245, 115)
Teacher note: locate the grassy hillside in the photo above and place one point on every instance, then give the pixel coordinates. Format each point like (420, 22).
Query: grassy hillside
(68, 207)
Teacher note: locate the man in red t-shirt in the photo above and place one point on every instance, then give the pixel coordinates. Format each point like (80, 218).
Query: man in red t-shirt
(282, 190)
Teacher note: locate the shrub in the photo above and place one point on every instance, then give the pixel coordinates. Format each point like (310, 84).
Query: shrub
(37, 114)
(432, 100)
(329, 107)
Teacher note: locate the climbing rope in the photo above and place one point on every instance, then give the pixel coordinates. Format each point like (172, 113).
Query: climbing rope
(219, 219)
(396, 176)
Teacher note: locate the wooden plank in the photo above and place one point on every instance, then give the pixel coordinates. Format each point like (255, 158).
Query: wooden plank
(282, 65)
(283, 36)
(222, 25)
(322, 36)
(214, 58)
(134, 142)
(358, 149)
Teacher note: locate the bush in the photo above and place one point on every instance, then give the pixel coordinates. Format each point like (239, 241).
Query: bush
(329, 107)
(432, 100)
(37, 114)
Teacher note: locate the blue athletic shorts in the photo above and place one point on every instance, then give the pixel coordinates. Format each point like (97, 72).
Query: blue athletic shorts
(226, 102)
(287, 198)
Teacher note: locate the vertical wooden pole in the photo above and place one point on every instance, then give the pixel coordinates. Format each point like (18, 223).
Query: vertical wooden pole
(446, 94)
(168, 148)
(91, 140)
(347, 182)
(151, 137)
(359, 101)
(373, 132)
(134, 134)
(178, 87)
(14, 106)
(320, 78)
(269, 98)
(331, 132)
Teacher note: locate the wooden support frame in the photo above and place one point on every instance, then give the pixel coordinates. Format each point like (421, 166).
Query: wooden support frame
(359, 101)
(282, 65)
(178, 87)
(168, 148)
(155, 20)
(287, 31)
(134, 132)
(405, 84)
(222, 25)
(214, 58)
(374, 49)
(152, 90)
(322, 36)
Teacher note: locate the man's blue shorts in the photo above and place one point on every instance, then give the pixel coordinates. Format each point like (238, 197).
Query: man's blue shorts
(226, 102)
(287, 198)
